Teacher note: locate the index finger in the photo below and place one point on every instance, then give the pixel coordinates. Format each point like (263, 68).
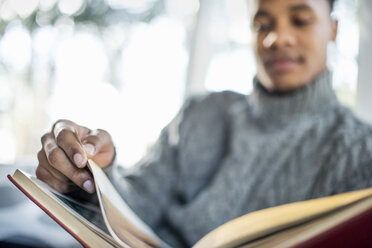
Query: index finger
(68, 139)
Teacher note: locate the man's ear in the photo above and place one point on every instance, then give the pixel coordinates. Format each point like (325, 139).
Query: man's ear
(334, 29)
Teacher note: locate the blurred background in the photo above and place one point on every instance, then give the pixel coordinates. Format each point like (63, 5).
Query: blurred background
(127, 65)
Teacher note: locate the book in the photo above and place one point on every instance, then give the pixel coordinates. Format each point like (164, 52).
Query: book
(333, 221)
(110, 223)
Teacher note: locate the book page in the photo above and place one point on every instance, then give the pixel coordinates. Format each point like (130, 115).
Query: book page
(124, 225)
(86, 211)
(92, 213)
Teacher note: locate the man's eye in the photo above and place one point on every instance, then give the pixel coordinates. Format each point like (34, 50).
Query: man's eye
(262, 27)
(300, 22)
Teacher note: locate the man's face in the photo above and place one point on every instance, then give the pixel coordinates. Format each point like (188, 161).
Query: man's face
(291, 41)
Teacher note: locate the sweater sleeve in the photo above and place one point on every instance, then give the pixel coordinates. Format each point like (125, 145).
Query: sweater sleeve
(155, 182)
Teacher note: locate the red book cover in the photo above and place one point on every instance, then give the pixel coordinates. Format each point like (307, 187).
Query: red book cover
(47, 212)
(353, 233)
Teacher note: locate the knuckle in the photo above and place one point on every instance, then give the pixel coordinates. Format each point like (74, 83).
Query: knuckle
(44, 138)
(99, 138)
(61, 121)
(40, 172)
(62, 135)
(40, 155)
(55, 155)
(104, 133)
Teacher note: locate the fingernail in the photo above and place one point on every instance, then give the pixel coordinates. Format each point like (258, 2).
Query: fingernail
(89, 148)
(88, 186)
(78, 159)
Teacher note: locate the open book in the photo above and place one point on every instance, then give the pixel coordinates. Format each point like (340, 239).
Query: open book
(315, 223)
(110, 223)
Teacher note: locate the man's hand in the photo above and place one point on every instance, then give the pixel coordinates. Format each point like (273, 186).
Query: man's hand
(65, 152)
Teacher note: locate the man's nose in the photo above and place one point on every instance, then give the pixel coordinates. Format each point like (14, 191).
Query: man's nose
(279, 38)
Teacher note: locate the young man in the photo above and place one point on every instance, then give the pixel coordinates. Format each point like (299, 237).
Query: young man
(226, 154)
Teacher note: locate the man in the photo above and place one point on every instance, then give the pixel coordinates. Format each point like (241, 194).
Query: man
(226, 154)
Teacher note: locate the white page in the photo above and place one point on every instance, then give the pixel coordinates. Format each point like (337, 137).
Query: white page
(104, 186)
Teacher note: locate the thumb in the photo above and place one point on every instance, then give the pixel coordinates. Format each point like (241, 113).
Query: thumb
(99, 147)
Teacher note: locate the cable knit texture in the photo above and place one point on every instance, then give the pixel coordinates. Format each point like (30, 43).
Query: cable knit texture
(226, 154)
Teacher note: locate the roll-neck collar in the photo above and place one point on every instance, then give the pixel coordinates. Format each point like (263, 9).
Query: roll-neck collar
(312, 98)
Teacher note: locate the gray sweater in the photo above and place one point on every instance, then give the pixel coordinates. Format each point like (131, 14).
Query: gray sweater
(227, 154)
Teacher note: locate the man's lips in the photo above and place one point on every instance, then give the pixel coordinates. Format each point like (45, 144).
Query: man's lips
(279, 65)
